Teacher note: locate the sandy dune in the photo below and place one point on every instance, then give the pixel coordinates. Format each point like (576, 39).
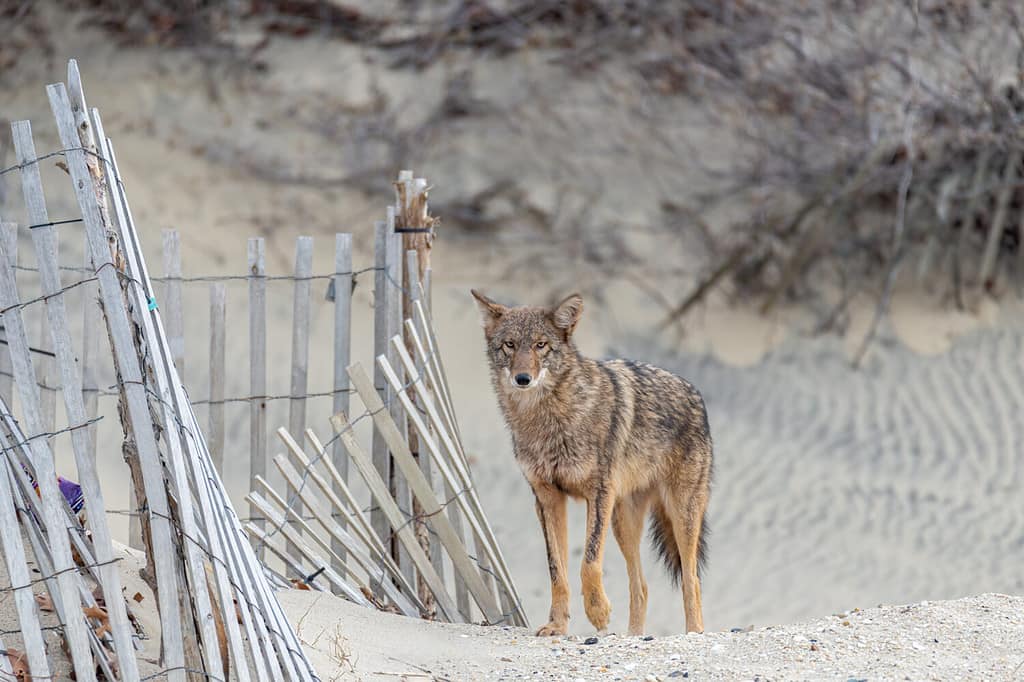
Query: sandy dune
(973, 638)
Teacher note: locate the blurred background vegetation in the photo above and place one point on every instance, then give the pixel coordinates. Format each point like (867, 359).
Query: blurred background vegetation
(773, 151)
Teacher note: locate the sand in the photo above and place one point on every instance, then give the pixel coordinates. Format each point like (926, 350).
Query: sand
(972, 638)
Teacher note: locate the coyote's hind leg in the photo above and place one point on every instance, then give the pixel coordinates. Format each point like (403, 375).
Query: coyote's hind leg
(628, 526)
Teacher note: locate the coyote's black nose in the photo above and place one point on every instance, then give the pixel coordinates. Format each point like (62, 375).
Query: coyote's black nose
(523, 379)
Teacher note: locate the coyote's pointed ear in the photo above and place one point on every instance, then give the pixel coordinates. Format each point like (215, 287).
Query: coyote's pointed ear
(567, 313)
(492, 310)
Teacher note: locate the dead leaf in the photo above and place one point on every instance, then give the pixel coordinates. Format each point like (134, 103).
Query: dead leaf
(44, 601)
(63, 166)
(138, 597)
(99, 614)
(19, 665)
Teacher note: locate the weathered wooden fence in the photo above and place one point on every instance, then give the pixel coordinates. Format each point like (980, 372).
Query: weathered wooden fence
(395, 523)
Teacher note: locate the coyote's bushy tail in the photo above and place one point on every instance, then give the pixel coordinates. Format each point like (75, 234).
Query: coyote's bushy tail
(664, 540)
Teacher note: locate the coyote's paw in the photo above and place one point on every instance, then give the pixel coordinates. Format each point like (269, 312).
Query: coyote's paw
(598, 608)
(552, 630)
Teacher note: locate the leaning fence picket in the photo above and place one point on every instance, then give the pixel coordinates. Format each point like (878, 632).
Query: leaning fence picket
(171, 399)
(46, 474)
(296, 482)
(44, 241)
(91, 321)
(127, 361)
(257, 364)
(379, 489)
(359, 521)
(456, 477)
(9, 235)
(304, 551)
(420, 379)
(18, 574)
(144, 300)
(334, 529)
(421, 487)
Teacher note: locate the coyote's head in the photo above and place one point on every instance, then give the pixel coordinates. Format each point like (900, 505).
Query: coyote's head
(529, 347)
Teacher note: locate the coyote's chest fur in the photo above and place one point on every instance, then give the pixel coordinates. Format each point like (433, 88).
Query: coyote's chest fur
(546, 448)
(573, 430)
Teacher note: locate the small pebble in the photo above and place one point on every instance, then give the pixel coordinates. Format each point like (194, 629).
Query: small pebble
(590, 640)
(648, 638)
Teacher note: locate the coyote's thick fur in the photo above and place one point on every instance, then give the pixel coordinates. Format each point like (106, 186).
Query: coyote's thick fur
(624, 436)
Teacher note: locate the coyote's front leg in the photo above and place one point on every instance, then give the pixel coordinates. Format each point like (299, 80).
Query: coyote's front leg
(551, 512)
(599, 511)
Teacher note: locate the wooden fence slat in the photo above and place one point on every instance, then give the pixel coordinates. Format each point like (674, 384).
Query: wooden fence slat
(300, 334)
(395, 255)
(134, 390)
(300, 343)
(342, 353)
(14, 442)
(335, 530)
(47, 381)
(415, 288)
(430, 542)
(254, 591)
(379, 489)
(46, 474)
(433, 357)
(18, 574)
(166, 377)
(419, 377)
(287, 529)
(461, 467)
(361, 526)
(256, 250)
(218, 358)
(9, 233)
(487, 547)
(277, 549)
(161, 363)
(445, 423)
(381, 292)
(172, 302)
(295, 482)
(44, 241)
(91, 322)
(421, 487)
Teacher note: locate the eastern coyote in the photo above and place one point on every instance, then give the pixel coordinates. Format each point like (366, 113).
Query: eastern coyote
(624, 436)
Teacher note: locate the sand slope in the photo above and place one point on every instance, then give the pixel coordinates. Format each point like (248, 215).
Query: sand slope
(973, 638)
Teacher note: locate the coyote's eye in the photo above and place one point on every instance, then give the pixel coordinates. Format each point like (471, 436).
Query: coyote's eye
(540, 345)
(510, 345)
